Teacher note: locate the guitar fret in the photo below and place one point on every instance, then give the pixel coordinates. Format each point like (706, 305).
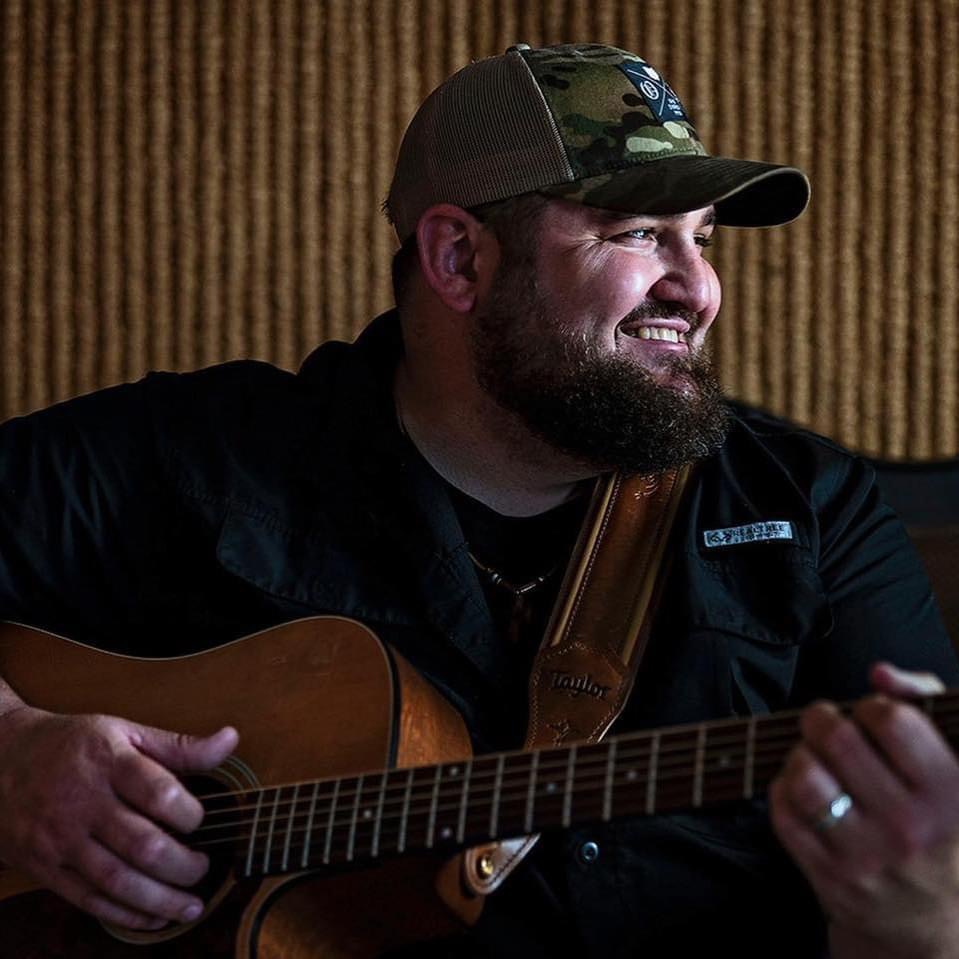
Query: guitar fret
(750, 754)
(405, 817)
(497, 789)
(356, 809)
(289, 828)
(328, 842)
(253, 832)
(608, 785)
(568, 791)
(698, 771)
(268, 848)
(461, 825)
(431, 828)
(531, 792)
(651, 775)
(308, 838)
(378, 822)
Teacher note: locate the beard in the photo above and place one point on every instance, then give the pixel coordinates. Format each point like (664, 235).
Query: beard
(601, 408)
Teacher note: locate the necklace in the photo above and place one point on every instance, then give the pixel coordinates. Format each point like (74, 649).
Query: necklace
(497, 578)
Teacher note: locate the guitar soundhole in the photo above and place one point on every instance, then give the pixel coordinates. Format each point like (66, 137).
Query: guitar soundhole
(216, 837)
(217, 834)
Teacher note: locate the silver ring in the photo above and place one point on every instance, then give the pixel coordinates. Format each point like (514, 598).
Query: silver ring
(833, 813)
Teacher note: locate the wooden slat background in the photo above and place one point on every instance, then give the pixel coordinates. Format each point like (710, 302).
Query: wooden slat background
(187, 181)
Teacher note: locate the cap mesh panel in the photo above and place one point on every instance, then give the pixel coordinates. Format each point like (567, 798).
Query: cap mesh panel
(484, 135)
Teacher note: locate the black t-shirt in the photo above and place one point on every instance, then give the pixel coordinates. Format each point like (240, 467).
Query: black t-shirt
(527, 551)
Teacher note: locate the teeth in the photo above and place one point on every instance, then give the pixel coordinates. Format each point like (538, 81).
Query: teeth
(659, 333)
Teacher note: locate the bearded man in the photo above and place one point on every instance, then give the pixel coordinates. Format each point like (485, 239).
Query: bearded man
(431, 480)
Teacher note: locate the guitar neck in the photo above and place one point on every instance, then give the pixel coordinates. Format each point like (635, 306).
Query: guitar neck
(360, 818)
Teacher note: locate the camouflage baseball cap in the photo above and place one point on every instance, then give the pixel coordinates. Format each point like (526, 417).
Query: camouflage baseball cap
(587, 122)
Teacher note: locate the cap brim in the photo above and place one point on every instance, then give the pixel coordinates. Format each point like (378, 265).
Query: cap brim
(744, 192)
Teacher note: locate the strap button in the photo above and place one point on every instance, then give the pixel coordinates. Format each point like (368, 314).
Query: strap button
(485, 866)
(588, 853)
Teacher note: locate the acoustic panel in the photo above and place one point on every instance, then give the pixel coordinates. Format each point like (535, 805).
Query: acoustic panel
(189, 181)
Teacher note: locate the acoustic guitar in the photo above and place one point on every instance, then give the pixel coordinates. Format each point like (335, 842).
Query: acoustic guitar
(333, 830)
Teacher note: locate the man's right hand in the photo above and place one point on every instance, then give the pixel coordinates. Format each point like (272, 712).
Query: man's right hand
(85, 805)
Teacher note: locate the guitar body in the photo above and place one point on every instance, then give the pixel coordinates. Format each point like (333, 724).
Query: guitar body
(316, 698)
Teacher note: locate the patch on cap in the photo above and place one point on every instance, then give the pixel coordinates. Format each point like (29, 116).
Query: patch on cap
(657, 93)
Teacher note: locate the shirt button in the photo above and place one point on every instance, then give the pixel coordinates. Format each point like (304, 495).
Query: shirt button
(588, 853)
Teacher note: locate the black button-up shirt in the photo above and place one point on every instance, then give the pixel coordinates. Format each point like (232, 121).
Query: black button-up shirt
(187, 510)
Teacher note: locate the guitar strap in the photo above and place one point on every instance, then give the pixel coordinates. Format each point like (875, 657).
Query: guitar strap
(596, 636)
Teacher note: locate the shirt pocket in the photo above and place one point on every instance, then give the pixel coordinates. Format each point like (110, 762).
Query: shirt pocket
(761, 603)
(306, 567)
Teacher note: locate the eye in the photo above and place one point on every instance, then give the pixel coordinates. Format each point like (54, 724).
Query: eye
(639, 233)
(648, 234)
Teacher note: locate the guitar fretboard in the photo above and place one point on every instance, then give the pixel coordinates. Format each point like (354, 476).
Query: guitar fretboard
(307, 825)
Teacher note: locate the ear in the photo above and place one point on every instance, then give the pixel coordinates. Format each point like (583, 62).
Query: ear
(457, 255)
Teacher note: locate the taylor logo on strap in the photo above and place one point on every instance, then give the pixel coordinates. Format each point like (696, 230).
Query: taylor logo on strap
(575, 685)
(750, 533)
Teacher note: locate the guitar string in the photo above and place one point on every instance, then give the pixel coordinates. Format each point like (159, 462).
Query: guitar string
(765, 724)
(591, 797)
(667, 757)
(421, 804)
(598, 755)
(395, 793)
(588, 798)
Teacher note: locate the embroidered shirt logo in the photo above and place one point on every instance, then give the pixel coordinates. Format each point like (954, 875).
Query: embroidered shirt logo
(750, 533)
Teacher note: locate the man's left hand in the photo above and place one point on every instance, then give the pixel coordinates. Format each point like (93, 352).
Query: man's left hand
(885, 866)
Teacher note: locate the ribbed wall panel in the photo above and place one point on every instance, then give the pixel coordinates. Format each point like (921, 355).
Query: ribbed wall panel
(188, 181)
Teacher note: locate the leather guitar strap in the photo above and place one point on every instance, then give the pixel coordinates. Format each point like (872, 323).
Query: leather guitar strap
(597, 634)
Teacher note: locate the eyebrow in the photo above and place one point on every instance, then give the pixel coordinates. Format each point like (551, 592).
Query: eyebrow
(617, 216)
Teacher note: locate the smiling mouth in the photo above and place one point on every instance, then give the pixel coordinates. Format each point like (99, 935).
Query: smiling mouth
(656, 333)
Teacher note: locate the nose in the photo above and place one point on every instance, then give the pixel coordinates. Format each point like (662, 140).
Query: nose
(689, 280)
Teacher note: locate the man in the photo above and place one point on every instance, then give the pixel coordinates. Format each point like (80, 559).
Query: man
(553, 304)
